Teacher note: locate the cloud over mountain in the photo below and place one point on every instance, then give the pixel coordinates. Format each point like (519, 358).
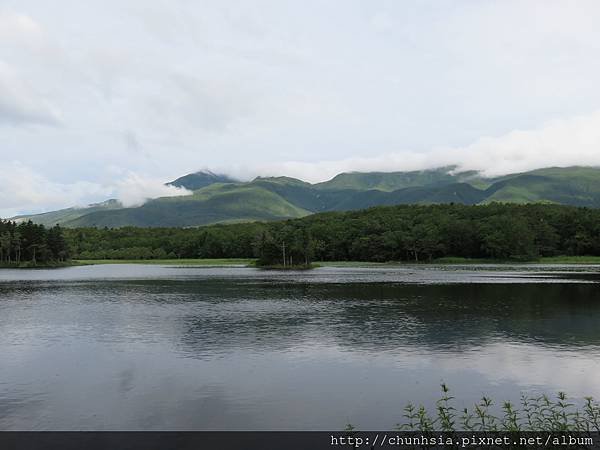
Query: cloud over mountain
(560, 143)
(135, 190)
(161, 89)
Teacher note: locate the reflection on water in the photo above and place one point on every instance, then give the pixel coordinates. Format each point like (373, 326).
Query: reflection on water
(147, 347)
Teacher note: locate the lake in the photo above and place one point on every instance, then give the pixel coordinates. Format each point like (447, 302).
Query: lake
(142, 347)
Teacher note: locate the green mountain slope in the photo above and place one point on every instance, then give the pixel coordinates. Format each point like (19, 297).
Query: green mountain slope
(305, 195)
(393, 181)
(223, 203)
(222, 200)
(63, 216)
(451, 193)
(388, 181)
(577, 186)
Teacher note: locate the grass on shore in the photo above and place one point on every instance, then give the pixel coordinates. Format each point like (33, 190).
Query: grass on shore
(531, 414)
(39, 265)
(570, 260)
(251, 262)
(451, 260)
(288, 267)
(215, 262)
(356, 263)
(542, 260)
(171, 262)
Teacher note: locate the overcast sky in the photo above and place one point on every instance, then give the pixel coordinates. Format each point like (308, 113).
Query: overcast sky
(112, 98)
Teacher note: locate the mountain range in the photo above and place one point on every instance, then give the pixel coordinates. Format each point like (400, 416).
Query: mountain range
(220, 199)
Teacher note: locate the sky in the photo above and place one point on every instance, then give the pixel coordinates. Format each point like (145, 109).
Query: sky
(110, 99)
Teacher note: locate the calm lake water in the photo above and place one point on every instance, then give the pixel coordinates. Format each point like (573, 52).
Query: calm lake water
(132, 347)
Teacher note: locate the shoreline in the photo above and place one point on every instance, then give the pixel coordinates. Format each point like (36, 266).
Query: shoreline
(27, 265)
(450, 261)
(248, 262)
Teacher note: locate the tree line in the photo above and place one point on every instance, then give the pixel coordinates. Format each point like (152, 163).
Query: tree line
(396, 233)
(29, 244)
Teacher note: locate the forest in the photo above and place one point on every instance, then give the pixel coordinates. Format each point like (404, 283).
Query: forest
(415, 233)
(28, 244)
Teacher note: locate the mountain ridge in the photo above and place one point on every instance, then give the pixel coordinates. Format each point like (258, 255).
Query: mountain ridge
(219, 198)
(200, 179)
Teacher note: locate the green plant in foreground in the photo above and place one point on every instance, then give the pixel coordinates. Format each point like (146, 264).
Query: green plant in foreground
(534, 413)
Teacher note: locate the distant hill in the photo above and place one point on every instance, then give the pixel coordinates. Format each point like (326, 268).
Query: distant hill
(63, 216)
(220, 199)
(392, 181)
(198, 180)
(216, 203)
(577, 186)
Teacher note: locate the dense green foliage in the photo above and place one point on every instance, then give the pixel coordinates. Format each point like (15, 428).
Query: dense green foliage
(225, 241)
(406, 232)
(218, 199)
(30, 244)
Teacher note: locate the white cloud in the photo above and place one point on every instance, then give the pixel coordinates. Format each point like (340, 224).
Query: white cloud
(20, 103)
(22, 189)
(24, 98)
(135, 190)
(19, 27)
(382, 22)
(559, 143)
(162, 88)
(566, 142)
(211, 106)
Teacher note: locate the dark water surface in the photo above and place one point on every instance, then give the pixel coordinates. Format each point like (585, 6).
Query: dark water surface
(123, 347)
